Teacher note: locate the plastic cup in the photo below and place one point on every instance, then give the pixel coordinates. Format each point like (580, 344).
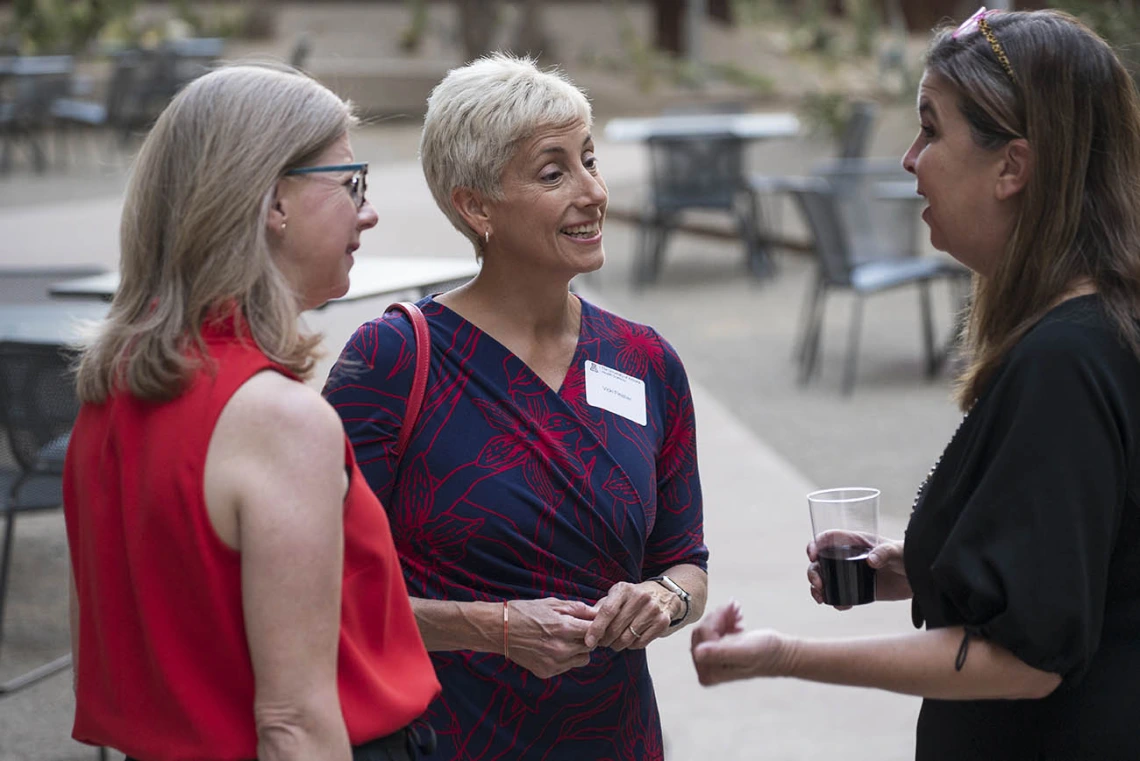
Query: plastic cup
(845, 524)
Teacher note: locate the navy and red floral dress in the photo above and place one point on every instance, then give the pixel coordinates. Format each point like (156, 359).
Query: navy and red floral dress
(509, 490)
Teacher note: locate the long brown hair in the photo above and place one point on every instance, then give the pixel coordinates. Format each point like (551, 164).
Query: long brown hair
(1077, 107)
(193, 229)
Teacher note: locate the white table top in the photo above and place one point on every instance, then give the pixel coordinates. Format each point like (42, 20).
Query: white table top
(56, 323)
(898, 190)
(747, 126)
(369, 277)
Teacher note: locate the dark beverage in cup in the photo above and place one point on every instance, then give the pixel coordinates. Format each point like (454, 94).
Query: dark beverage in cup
(847, 579)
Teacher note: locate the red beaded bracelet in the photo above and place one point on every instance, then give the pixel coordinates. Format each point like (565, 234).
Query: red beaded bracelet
(506, 630)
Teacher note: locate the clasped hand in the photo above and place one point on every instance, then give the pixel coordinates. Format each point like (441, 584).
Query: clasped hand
(551, 636)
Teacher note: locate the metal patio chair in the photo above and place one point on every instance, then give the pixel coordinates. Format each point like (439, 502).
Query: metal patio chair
(847, 264)
(38, 406)
(31, 84)
(852, 146)
(696, 172)
(120, 110)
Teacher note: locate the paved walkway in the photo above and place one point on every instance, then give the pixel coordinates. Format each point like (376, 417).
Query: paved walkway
(734, 336)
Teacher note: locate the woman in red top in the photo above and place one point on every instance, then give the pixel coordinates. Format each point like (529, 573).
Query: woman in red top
(236, 593)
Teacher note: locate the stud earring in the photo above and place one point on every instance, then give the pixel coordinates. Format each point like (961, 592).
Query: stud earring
(486, 236)
(282, 227)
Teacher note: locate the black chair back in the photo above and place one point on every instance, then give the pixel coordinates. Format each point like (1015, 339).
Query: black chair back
(122, 103)
(698, 172)
(36, 83)
(856, 138)
(38, 407)
(820, 207)
(38, 404)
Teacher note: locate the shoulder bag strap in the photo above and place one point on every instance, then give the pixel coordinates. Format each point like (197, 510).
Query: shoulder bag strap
(419, 381)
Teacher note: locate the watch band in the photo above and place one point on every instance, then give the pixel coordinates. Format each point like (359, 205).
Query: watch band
(676, 589)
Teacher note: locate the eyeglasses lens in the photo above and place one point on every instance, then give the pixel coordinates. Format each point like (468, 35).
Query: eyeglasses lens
(359, 187)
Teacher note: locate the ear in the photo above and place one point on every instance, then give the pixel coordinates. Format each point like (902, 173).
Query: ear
(277, 219)
(472, 207)
(1016, 168)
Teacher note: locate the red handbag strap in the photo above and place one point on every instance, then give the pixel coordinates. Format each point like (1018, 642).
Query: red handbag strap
(419, 381)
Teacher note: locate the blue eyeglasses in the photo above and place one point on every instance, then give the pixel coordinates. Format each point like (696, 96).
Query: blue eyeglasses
(357, 184)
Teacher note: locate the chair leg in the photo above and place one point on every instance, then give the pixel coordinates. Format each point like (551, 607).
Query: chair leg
(643, 247)
(853, 344)
(760, 262)
(6, 563)
(811, 299)
(39, 152)
(656, 258)
(959, 296)
(640, 252)
(809, 363)
(37, 674)
(6, 154)
(927, 328)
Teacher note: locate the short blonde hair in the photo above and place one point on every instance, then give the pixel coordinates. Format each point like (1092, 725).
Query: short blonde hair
(478, 115)
(193, 228)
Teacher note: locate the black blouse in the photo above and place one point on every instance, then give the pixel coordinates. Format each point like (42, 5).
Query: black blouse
(1028, 534)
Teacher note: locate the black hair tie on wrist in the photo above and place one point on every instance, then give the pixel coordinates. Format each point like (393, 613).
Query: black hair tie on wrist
(964, 648)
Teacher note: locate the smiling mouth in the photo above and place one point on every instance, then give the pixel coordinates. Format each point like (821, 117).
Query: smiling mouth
(584, 232)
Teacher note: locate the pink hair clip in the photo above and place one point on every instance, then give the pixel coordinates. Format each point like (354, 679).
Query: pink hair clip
(971, 24)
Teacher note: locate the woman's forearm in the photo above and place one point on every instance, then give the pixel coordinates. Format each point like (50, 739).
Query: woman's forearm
(447, 625)
(921, 663)
(308, 727)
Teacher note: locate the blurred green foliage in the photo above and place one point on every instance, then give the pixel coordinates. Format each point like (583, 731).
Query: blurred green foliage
(62, 26)
(413, 34)
(249, 19)
(1117, 21)
(825, 113)
(39, 27)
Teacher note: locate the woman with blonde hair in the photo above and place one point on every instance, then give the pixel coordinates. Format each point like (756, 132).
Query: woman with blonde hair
(236, 592)
(547, 507)
(1022, 556)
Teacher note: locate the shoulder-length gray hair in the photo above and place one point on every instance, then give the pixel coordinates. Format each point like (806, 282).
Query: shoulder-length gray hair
(193, 228)
(1077, 107)
(478, 115)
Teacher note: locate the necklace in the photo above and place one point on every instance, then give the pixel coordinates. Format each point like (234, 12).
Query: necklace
(934, 467)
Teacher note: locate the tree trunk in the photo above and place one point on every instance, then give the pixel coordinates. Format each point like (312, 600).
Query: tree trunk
(670, 26)
(721, 10)
(478, 22)
(531, 38)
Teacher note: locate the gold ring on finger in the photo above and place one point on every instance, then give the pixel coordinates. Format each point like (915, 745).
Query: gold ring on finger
(634, 631)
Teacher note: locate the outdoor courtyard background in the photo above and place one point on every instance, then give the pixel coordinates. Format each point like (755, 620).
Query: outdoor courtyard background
(764, 440)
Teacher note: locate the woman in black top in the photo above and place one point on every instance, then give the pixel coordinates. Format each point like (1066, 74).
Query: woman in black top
(1023, 550)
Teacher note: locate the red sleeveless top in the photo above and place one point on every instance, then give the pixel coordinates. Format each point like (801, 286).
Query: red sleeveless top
(164, 671)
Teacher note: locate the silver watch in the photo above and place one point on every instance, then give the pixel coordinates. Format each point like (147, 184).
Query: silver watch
(676, 589)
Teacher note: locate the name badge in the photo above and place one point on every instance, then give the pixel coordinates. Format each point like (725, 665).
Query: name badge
(615, 392)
